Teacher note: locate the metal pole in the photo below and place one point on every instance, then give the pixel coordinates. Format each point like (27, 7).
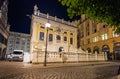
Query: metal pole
(46, 48)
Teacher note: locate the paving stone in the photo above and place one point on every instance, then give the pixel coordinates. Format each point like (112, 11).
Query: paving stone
(17, 70)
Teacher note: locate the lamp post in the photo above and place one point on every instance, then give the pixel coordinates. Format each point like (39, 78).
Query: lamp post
(47, 25)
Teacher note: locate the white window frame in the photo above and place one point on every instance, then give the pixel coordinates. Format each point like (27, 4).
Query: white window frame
(104, 36)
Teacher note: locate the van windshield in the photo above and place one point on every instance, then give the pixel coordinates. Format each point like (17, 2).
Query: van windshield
(17, 52)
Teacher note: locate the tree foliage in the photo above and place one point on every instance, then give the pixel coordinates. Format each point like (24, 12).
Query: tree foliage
(98, 10)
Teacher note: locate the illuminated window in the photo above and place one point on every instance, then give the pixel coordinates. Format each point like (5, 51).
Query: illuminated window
(104, 36)
(41, 36)
(17, 42)
(95, 39)
(23, 42)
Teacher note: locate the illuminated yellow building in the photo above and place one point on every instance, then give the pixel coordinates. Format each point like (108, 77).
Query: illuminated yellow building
(61, 34)
(98, 37)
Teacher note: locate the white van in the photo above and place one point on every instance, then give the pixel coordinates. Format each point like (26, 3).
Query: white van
(16, 55)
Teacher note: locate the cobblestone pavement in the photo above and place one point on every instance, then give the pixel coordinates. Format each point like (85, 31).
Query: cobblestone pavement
(18, 70)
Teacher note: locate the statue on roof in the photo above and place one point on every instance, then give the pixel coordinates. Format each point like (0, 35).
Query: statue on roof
(35, 9)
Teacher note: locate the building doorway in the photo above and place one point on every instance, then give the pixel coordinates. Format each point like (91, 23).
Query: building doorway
(96, 49)
(106, 49)
(116, 51)
(89, 50)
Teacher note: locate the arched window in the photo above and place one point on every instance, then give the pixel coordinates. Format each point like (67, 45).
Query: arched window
(105, 48)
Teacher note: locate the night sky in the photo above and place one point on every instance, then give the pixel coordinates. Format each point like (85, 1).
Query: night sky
(18, 9)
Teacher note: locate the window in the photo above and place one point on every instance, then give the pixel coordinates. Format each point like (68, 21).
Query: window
(65, 32)
(50, 37)
(104, 25)
(28, 47)
(71, 40)
(95, 39)
(104, 36)
(94, 27)
(17, 38)
(115, 34)
(17, 42)
(87, 28)
(65, 38)
(51, 29)
(82, 31)
(42, 27)
(71, 33)
(87, 23)
(28, 43)
(58, 37)
(16, 47)
(10, 49)
(41, 36)
(28, 40)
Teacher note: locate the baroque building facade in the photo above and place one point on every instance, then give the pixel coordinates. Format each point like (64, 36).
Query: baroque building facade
(18, 41)
(61, 34)
(98, 37)
(4, 28)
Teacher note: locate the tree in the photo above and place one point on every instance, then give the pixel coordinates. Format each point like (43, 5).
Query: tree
(107, 11)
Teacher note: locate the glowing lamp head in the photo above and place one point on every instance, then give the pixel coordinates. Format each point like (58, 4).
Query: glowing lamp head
(47, 25)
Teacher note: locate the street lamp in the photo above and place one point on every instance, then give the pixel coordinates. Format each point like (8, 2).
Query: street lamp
(47, 25)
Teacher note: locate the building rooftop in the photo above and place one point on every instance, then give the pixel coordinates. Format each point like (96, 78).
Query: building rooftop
(47, 16)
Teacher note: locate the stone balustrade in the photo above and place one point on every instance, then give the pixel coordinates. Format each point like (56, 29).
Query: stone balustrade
(67, 57)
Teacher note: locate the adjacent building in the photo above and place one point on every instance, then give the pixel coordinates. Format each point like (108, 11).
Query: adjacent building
(4, 28)
(18, 41)
(98, 37)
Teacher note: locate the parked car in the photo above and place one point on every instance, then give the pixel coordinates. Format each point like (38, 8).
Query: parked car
(16, 55)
